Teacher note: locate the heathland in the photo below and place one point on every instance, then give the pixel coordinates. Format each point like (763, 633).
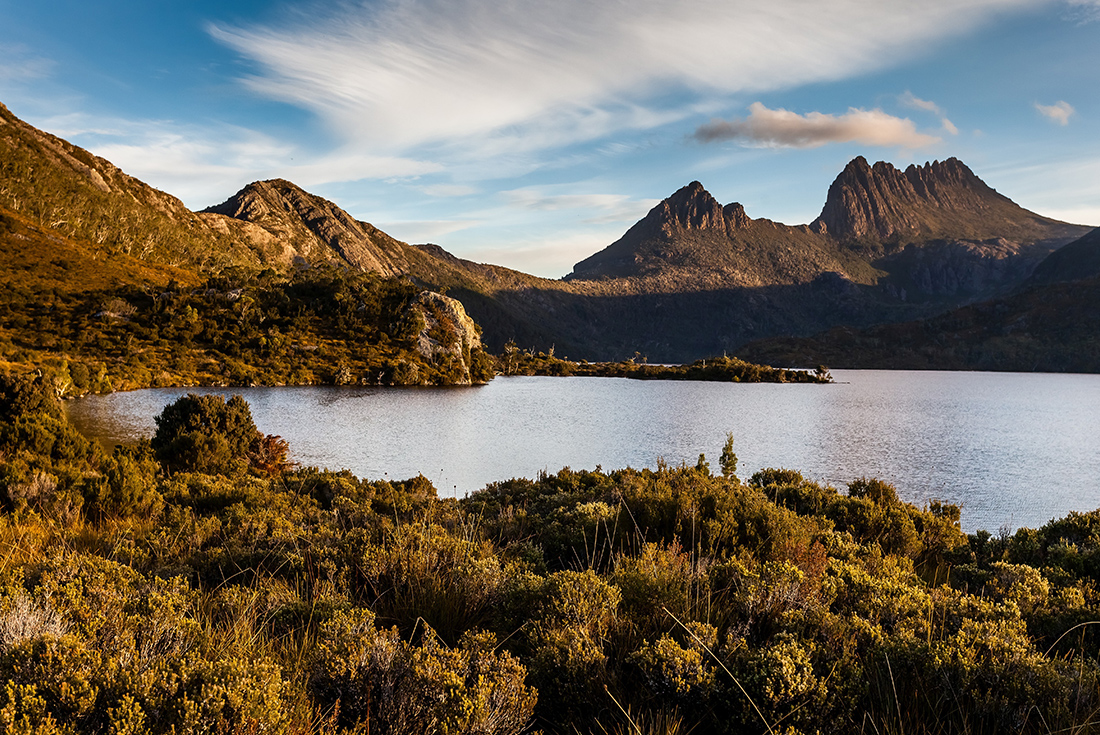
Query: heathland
(200, 582)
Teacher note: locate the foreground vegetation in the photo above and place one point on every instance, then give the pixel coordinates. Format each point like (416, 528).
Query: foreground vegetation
(198, 582)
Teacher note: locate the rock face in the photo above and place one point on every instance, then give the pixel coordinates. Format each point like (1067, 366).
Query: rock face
(310, 227)
(447, 333)
(688, 213)
(691, 242)
(690, 208)
(943, 199)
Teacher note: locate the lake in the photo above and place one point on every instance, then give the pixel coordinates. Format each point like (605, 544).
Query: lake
(1013, 449)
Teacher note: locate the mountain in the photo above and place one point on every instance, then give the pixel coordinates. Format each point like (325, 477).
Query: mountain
(874, 223)
(691, 279)
(39, 259)
(1079, 259)
(61, 186)
(1051, 328)
(881, 205)
(298, 225)
(691, 241)
(1047, 324)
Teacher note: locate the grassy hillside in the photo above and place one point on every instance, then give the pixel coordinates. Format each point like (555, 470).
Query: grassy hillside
(61, 186)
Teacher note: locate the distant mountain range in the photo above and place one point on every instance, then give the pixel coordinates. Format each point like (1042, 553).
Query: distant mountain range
(691, 279)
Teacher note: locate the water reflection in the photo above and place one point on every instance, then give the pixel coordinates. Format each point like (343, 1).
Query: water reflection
(1013, 449)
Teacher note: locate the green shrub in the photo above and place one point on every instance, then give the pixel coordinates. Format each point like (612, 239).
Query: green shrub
(205, 434)
(385, 684)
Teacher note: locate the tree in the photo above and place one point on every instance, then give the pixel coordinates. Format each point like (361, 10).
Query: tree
(728, 460)
(206, 434)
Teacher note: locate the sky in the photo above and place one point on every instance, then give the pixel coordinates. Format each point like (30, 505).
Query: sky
(533, 133)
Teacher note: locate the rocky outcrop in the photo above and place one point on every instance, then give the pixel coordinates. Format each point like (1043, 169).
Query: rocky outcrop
(691, 242)
(965, 270)
(942, 199)
(311, 228)
(446, 335)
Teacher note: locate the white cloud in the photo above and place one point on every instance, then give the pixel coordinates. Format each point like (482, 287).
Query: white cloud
(1060, 112)
(19, 64)
(530, 74)
(421, 231)
(534, 198)
(1084, 11)
(786, 129)
(1040, 184)
(594, 209)
(910, 100)
(448, 190)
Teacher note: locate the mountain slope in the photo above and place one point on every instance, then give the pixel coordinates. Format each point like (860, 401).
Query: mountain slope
(39, 259)
(66, 188)
(880, 204)
(1079, 259)
(296, 224)
(690, 240)
(691, 279)
(1050, 328)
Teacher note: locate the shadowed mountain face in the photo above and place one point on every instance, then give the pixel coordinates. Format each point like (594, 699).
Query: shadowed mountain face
(1079, 259)
(1047, 325)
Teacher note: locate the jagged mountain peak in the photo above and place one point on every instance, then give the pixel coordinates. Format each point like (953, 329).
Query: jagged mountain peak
(690, 208)
(941, 199)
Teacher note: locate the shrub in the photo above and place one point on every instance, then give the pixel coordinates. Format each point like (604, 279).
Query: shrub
(205, 434)
(394, 688)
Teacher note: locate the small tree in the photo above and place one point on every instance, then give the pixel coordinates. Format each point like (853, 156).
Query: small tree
(728, 460)
(206, 434)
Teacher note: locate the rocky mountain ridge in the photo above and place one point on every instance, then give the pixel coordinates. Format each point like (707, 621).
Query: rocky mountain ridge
(306, 227)
(691, 242)
(693, 278)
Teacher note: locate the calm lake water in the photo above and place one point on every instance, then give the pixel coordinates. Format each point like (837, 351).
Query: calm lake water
(1012, 449)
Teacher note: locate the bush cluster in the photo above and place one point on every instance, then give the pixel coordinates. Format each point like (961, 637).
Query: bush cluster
(242, 327)
(184, 586)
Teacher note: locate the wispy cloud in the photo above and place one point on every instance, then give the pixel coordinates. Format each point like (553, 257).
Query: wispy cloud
(1084, 11)
(421, 231)
(910, 100)
(1060, 112)
(786, 129)
(199, 163)
(19, 64)
(595, 209)
(448, 190)
(530, 74)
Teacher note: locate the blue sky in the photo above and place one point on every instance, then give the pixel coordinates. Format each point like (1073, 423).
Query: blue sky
(531, 133)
